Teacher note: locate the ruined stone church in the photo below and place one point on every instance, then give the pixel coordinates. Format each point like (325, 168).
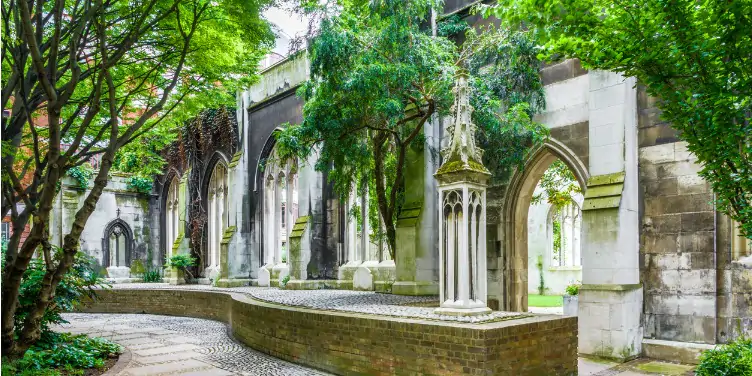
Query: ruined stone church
(659, 264)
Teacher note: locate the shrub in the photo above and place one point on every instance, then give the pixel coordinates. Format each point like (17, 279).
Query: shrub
(140, 184)
(152, 275)
(137, 268)
(62, 351)
(80, 282)
(541, 281)
(82, 174)
(573, 289)
(284, 281)
(734, 359)
(182, 262)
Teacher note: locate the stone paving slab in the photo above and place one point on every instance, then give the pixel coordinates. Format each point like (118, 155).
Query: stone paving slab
(171, 368)
(165, 349)
(162, 358)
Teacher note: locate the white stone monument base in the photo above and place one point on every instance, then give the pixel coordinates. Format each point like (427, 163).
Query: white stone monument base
(264, 277)
(462, 311)
(363, 279)
(118, 272)
(212, 272)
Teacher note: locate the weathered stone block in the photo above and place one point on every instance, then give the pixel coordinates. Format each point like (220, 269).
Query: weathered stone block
(363, 279)
(691, 184)
(562, 71)
(696, 242)
(660, 243)
(699, 221)
(662, 224)
(661, 133)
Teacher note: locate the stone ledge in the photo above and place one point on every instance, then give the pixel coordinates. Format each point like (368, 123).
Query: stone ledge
(611, 287)
(353, 343)
(673, 351)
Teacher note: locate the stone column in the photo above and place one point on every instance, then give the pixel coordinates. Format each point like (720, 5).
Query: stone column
(414, 254)
(462, 227)
(180, 246)
(353, 246)
(280, 269)
(610, 300)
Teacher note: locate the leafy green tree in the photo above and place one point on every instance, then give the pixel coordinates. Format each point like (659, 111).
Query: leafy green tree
(86, 78)
(379, 74)
(558, 186)
(694, 56)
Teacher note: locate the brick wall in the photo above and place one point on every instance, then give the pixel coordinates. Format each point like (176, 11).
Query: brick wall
(355, 344)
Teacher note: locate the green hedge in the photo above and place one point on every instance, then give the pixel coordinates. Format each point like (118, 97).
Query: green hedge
(734, 359)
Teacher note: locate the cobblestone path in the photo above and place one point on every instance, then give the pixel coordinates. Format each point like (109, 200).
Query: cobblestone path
(166, 345)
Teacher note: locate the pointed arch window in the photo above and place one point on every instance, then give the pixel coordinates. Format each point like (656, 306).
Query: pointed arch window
(118, 240)
(217, 213)
(280, 206)
(564, 225)
(172, 221)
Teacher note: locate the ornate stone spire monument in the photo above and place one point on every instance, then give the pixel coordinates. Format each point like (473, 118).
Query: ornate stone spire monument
(462, 181)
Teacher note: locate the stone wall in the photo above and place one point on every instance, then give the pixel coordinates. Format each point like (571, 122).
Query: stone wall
(677, 235)
(356, 344)
(118, 201)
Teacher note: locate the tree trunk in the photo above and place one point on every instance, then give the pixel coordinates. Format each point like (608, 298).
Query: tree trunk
(18, 265)
(31, 330)
(385, 207)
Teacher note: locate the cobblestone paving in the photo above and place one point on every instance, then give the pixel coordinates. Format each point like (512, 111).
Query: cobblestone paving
(166, 345)
(367, 302)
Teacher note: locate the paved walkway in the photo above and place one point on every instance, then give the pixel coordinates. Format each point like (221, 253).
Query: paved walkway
(166, 345)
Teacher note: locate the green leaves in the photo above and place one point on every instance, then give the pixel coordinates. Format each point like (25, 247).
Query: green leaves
(693, 56)
(82, 174)
(734, 359)
(378, 75)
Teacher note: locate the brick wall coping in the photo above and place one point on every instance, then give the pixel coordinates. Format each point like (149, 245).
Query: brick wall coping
(365, 302)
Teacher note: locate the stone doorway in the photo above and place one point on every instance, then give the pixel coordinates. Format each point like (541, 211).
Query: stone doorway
(520, 193)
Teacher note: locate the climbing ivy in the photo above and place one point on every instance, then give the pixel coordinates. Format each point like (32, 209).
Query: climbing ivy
(140, 184)
(194, 147)
(82, 174)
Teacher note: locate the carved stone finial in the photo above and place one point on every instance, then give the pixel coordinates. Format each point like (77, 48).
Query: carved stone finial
(462, 153)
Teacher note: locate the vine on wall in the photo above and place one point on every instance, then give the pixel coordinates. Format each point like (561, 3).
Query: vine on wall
(82, 174)
(140, 184)
(212, 130)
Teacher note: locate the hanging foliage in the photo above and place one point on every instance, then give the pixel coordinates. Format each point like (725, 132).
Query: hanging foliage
(194, 148)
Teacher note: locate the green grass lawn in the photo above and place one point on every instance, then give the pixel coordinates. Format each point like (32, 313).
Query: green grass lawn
(545, 300)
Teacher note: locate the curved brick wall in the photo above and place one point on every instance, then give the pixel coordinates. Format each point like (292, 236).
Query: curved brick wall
(356, 344)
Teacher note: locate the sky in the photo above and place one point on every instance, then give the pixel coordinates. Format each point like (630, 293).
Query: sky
(288, 26)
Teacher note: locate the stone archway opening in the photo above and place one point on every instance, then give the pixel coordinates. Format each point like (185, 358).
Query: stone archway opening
(554, 226)
(530, 221)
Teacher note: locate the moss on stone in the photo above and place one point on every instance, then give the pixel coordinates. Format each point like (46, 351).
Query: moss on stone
(668, 369)
(458, 166)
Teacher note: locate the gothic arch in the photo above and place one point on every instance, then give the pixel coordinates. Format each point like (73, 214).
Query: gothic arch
(215, 193)
(278, 203)
(117, 228)
(172, 176)
(266, 151)
(515, 213)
